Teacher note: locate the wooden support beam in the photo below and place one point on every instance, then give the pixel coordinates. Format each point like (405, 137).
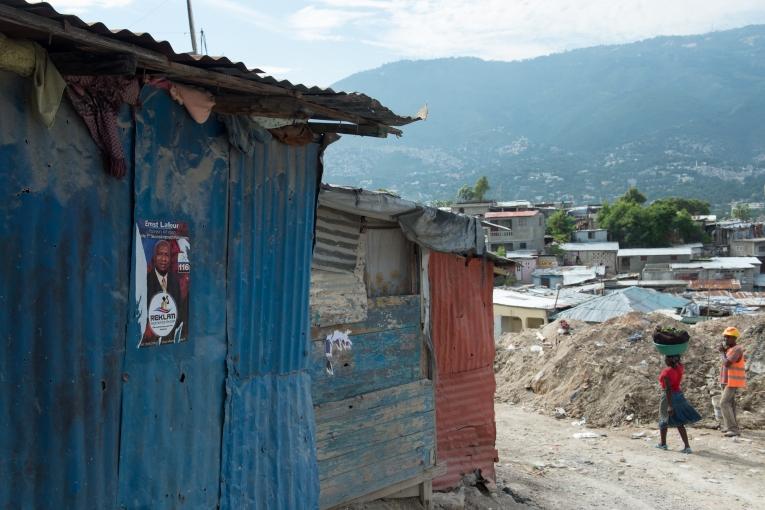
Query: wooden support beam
(77, 62)
(283, 106)
(376, 130)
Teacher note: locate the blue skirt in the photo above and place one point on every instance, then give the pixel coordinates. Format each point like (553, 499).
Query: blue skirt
(683, 414)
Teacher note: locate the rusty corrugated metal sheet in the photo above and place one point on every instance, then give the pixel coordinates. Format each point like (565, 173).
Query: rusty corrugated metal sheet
(463, 341)
(731, 284)
(465, 426)
(461, 306)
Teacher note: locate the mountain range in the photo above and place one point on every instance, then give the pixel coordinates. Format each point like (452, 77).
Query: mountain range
(677, 115)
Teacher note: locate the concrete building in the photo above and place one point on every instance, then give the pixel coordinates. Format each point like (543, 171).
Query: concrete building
(591, 254)
(633, 260)
(525, 264)
(472, 208)
(526, 230)
(519, 310)
(591, 235)
(566, 276)
(754, 247)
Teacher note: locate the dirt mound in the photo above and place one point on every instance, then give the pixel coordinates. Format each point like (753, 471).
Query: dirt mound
(607, 373)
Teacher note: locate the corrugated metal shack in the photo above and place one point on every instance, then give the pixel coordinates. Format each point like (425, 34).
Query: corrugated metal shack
(205, 400)
(390, 316)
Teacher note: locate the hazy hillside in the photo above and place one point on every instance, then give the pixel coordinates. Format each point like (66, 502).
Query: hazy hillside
(673, 115)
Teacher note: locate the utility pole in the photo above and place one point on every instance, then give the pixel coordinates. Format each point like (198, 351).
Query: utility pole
(191, 27)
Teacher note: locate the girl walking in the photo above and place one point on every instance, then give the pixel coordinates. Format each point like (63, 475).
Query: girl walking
(674, 410)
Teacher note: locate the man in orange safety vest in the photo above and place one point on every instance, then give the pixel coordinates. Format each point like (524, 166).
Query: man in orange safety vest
(732, 377)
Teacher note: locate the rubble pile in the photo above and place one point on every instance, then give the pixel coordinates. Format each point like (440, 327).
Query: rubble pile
(606, 374)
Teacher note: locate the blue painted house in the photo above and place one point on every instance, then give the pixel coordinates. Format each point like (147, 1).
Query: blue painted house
(204, 400)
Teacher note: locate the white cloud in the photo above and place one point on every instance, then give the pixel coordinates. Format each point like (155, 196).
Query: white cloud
(513, 29)
(315, 23)
(254, 16)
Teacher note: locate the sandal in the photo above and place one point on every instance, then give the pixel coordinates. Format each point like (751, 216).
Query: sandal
(687, 450)
(661, 446)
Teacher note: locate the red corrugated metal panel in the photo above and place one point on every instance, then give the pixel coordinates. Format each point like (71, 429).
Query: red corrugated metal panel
(461, 312)
(462, 331)
(465, 427)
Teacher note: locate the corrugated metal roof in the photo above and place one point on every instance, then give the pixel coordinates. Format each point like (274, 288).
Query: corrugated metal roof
(719, 263)
(510, 214)
(743, 298)
(72, 32)
(544, 299)
(590, 246)
(652, 252)
(620, 302)
(732, 284)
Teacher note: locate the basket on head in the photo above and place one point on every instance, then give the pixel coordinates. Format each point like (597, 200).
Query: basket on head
(670, 341)
(671, 350)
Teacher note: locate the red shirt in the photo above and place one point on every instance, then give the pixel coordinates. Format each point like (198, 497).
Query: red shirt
(675, 375)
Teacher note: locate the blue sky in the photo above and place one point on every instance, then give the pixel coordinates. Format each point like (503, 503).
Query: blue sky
(321, 41)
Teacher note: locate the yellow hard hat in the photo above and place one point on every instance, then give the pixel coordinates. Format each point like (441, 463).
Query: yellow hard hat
(731, 331)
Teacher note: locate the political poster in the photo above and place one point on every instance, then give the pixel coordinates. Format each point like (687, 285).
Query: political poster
(163, 274)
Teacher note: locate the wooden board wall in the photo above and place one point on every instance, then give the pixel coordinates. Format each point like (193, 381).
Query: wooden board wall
(375, 416)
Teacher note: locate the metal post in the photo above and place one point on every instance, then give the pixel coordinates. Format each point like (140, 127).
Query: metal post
(191, 27)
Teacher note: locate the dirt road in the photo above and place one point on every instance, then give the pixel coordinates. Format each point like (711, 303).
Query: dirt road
(541, 462)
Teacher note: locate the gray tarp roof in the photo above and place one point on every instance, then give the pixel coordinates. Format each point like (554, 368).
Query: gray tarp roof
(632, 299)
(427, 226)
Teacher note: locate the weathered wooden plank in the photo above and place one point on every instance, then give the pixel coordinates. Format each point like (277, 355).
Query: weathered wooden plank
(423, 403)
(375, 454)
(369, 479)
(78, 62)
(384, 314)
(401, 489)
(335, 445)
(376, 361)
(366, 401)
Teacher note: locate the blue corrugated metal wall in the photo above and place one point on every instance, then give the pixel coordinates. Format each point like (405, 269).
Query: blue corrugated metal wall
(172, 413)
(90, 421)
(273, 194)
(64, 271)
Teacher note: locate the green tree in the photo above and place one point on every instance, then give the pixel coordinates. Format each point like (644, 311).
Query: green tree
(480, 188)
(694, 206)
(560, 225)
(465, 193)
(634, 195)
(661, 223)
(441, 203)
(501, 251)
(477, 192)
(742, 212)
